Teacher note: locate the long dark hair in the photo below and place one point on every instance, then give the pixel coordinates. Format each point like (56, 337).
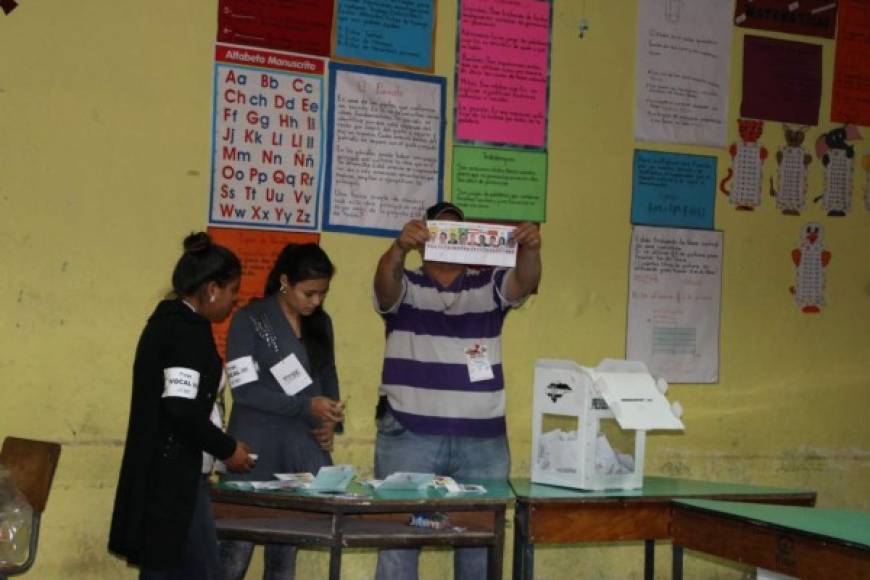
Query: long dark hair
(300, 262)
(202, 262)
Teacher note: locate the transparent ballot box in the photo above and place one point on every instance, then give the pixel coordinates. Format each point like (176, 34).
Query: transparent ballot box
(589, 424)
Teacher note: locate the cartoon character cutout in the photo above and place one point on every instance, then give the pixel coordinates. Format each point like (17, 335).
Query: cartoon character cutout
(747, 160)
(838, 157)
(810, 261)
(865, 163)
(792, 162)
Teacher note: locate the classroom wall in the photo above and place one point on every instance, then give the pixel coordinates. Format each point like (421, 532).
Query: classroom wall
(104, 164)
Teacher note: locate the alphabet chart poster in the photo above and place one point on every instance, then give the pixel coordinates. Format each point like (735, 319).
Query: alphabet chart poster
(386, 31)
(257, 250)
(503, 72)
(267, 145)
(386, 148)
(293, 25)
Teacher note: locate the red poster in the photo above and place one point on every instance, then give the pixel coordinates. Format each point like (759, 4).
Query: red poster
(809, 17)
(782, 80)
(257, 250)
(850, 98)
(292, 25)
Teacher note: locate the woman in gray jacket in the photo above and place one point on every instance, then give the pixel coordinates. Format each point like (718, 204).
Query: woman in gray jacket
(281, 369)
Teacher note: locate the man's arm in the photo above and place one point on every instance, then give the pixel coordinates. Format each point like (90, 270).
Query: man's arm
(391, 266)
(526, 275)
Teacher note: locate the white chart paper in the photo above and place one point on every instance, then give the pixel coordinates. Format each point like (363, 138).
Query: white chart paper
(682, 71)
(674, 299)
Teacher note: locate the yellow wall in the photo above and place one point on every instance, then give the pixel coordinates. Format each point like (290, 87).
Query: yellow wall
(104, 162)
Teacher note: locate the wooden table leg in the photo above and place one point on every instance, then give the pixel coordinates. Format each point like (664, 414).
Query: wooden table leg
(677, 565)
(335, 563)
(495, 552)
(649, 559)
(520, 536)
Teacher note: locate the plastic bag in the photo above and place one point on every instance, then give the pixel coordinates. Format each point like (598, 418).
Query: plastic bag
(15, 521)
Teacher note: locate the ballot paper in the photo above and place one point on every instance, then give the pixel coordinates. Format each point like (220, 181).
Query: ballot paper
(330, 479)
(403, 481)
(471, 243)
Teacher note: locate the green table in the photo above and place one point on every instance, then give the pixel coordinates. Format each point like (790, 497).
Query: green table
(548, 514)
(363, 518)
(798, 541)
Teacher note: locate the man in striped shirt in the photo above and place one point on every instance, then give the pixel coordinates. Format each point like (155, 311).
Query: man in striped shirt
(442, 400)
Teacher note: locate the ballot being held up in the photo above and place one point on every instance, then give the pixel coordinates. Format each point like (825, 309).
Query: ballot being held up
(589, 424)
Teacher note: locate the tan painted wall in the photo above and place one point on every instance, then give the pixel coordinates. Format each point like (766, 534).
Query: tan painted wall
(104, 161)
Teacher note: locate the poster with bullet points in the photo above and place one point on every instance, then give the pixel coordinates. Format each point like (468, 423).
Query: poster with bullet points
(267, 141)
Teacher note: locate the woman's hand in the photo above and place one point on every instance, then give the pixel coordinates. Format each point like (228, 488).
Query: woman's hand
(326, 410)
(325, 436)
(241, 459)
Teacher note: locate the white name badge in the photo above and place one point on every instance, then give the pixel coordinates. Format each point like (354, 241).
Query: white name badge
(291, 375)
(242, 371)
(180, 382)
(479, 368)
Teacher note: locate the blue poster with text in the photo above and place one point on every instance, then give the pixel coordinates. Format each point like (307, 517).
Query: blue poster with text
(386, 31)
(673, 189)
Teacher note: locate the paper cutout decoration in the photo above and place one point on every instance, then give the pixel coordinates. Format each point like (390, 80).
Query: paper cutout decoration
(865, 163)
(747, 160)
(810, 261)
(791, 175)
(838, 157)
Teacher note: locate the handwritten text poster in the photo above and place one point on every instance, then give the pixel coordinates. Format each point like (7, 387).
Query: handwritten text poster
(850, 96)
(681, 71)
(386, 31)
(267, 147)
(673, 189)
(257, 250)
(503, 64)
(386, 144)
(782, 80)
(673, 302)
(500, 184)
(291, 25)
(809, 17)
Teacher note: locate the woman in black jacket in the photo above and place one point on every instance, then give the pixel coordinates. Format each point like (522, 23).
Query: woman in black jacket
(162, 520)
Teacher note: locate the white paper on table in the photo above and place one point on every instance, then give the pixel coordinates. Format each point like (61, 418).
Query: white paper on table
(682, 68)
(471, 243)
(405, 481)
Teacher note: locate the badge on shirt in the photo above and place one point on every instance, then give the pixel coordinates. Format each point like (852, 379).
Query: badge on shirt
(291, 375)
(479, 368)
(180, 382)
(242, 371)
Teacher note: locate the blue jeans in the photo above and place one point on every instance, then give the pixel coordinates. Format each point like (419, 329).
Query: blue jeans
(280, 560)
(463, 458)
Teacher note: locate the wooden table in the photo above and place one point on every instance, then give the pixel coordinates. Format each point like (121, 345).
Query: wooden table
(547, 514)
(798, 541)
(364, 519)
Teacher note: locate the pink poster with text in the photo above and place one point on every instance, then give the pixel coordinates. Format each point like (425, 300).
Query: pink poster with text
(502, 72)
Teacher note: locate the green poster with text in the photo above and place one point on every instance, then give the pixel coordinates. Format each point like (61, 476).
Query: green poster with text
(500, 184)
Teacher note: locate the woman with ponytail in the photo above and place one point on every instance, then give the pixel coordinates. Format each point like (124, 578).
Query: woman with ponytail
(281, 369)
(162, 520)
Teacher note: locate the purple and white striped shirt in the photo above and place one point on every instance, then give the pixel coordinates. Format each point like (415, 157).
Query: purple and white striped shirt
(425, 375)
